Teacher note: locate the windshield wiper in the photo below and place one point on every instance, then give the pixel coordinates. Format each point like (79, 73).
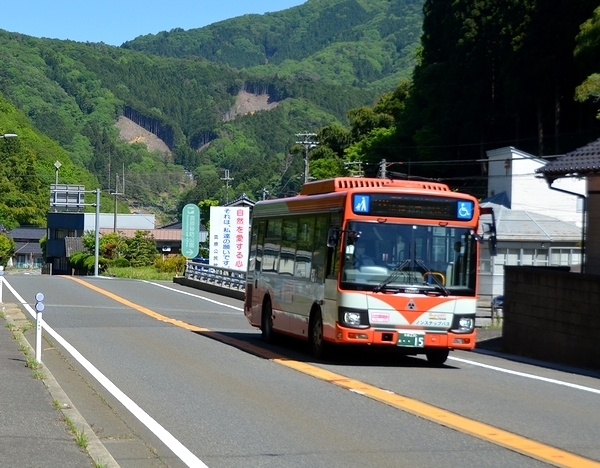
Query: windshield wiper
(393, 275)
(439, 284)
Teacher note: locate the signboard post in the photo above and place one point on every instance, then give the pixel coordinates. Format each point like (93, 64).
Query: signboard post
(229, 233)
(190, 230)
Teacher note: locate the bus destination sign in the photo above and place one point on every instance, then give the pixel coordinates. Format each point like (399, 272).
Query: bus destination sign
(413, 206)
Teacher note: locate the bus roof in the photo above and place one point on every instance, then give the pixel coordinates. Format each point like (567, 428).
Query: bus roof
(342, 184)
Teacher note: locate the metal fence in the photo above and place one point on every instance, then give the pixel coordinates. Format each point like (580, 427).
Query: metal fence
(221, 277)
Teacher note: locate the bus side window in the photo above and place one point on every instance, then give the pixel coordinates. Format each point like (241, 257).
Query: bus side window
(333, 261)
(320, 247)
(304, 253)
(287, 256)
(272, 246)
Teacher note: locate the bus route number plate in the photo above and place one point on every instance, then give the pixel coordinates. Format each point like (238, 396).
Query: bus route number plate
(413, 340)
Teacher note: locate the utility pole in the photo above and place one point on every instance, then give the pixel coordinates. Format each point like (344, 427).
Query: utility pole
(226, 179)
(356, 163)
(116, 194)
(382, 169)
(308, 142)
(265, 193)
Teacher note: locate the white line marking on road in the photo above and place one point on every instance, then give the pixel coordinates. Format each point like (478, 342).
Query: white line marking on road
(184, 454)
(195, 295)
(529, 376)
(499, 369)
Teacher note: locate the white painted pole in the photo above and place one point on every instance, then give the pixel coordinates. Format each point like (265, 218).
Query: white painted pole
(39, 307)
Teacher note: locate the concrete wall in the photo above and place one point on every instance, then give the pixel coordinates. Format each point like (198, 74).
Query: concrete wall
(552, 315)
(592, 237)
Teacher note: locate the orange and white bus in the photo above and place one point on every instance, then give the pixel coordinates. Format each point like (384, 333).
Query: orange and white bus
(359, 261)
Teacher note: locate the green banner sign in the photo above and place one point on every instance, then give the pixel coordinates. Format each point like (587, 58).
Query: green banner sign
(190, 230)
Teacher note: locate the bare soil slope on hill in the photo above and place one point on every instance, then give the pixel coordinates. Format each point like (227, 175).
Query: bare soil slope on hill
(133, 133)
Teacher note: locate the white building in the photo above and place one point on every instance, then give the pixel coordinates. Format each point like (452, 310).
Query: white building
(536, 225)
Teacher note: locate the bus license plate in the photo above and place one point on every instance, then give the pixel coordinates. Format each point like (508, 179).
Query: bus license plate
(413, 340)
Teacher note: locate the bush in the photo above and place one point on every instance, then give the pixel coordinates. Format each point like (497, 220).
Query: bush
(120, 262)
(172, 264)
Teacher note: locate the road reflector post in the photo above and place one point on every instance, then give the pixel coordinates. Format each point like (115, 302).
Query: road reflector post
(39, 307)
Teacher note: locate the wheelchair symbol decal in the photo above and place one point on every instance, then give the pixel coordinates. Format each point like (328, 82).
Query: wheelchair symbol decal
(465, 210)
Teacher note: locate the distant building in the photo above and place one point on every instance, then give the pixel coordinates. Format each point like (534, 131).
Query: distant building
(536, 225)
(65, 230)
(584, 163)
(242, 200)
(28, 252)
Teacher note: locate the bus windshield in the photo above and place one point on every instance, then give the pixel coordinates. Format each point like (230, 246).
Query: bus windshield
(394, 257)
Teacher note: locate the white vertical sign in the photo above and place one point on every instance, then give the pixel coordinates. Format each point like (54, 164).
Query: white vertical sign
(229, 233)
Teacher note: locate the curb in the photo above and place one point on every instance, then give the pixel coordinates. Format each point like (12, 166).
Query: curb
(95, 448)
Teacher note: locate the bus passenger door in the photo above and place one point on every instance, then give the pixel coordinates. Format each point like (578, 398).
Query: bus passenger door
(254, 290)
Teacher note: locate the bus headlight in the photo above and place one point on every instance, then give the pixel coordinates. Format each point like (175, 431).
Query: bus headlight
(463, 324)
(353, 318)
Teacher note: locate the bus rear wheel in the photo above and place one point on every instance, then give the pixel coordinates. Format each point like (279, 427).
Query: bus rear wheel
(266, 327)
(318, 346)
(437, 357)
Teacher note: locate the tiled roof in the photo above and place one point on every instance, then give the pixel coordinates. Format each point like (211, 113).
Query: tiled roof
(159, 234)
(27, 233)
(518, 225)
(583, 161)
(26, 248)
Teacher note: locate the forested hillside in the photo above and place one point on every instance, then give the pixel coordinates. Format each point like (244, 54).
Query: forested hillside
(491, 74)
(27, 170)
(368, 43)
(75, 92)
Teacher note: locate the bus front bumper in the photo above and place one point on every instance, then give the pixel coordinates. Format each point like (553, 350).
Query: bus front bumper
(430, 339)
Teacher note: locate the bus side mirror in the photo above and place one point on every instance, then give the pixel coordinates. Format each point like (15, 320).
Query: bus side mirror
(333, 236)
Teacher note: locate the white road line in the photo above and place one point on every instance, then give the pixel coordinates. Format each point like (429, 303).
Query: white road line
(195, 295)
(498, 369)
(185, 455)
(529, 376)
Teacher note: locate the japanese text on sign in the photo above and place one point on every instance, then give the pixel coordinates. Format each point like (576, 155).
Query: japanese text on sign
(229, 232)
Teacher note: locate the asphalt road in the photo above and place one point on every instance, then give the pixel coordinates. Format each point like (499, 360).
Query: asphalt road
(210, 392)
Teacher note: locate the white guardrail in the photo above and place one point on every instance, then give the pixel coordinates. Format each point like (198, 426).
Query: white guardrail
(221, 277)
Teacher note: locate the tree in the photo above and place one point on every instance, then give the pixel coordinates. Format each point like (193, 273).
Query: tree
(586, 52)
(7, 249)
(141, 249)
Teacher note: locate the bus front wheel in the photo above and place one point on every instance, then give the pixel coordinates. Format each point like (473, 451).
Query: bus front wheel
(266, 327)
(318, 345)
(437, 357)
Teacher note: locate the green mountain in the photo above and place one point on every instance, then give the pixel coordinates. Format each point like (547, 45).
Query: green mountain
(211, 114)
(28, 170)
(368, 43)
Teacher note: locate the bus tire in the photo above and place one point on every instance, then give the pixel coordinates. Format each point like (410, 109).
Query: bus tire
(437, 357)
(266, 325)
(318, 346)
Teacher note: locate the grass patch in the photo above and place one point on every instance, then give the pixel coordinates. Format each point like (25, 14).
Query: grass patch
(80, 436)
(27, 326)
(142, 273)
(32, 363)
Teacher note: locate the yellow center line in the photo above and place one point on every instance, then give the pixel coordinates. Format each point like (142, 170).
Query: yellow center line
(514, 442)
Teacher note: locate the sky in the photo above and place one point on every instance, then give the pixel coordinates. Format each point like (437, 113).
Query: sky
(114, 22)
